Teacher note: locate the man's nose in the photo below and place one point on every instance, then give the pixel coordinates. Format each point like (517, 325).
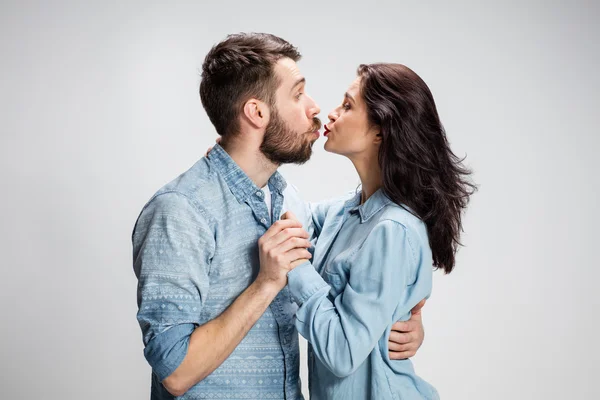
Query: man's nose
(313, 109)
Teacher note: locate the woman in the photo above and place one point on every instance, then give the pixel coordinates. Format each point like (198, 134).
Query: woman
(374, 253)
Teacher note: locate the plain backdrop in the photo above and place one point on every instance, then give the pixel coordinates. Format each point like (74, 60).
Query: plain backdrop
(99, 108)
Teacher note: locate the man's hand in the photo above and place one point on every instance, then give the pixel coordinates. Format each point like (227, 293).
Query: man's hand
(407, 336)
(283, 244)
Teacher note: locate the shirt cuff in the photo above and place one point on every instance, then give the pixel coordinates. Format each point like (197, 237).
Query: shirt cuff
(166, 351)
(304, 281)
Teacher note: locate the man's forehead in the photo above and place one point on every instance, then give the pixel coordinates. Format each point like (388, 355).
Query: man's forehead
(288, 72)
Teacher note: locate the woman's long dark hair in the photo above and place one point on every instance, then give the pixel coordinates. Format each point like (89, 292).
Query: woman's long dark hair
(418, 168)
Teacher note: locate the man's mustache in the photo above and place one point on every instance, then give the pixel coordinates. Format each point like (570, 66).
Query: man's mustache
(316, 125)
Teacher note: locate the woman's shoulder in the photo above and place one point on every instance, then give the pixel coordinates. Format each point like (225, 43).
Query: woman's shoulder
(336, 205)
(404, 218)
(410, 231)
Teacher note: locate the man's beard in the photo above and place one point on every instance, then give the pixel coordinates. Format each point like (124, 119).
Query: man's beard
(281, 145)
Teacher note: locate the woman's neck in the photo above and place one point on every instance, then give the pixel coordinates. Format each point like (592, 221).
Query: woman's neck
(367, 167)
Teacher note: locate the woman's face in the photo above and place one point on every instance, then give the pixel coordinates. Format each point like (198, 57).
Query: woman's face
(348, 131)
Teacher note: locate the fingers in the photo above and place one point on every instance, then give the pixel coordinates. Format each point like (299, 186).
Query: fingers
(289, 215)
(394, 347)
(417, 309)
(406, 326)
(402, 342)
(403, 355)
(398, 338)
(405, 338)
(211, 147)
(417, 317)
(277, 227)
(288, 233)
(298, 255)
(293, 243)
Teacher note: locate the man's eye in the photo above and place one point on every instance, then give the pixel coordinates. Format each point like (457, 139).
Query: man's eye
(298, 96)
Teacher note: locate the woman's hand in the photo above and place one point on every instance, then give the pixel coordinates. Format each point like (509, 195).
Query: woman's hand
(211, 147)
(291, 215)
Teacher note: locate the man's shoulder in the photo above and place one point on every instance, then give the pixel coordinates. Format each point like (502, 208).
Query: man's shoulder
(198, 187)
(195, 181)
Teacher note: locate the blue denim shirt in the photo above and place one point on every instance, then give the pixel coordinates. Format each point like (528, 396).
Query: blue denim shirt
(194, 251)
(372, 265)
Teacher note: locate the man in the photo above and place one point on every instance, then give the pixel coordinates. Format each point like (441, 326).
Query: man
(214, 309)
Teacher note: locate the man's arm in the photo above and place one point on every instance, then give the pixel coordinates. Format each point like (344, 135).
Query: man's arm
(211, 343)
(172, 251)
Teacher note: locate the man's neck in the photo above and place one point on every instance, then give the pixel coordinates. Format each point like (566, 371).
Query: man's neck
(254, 164)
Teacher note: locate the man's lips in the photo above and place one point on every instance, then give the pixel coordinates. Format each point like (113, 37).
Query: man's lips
(315, 130)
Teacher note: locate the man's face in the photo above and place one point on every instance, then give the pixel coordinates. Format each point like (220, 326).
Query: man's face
(293, 126)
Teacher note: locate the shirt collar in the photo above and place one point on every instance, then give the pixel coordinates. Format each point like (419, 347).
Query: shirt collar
(239, 183)
(371, 207)
(277, 182)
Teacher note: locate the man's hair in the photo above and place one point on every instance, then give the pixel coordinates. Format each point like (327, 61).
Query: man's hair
(237, 69)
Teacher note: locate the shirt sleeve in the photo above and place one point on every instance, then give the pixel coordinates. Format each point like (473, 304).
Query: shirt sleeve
(318, 212)
(345, 330)
(172, 249)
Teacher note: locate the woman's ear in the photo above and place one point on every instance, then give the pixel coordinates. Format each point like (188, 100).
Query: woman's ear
(378, 138)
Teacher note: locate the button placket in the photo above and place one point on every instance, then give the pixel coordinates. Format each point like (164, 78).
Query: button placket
(259, 209)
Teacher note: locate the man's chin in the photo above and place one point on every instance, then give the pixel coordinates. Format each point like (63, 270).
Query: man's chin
(306, 156)
(292, 159)
(298, 157)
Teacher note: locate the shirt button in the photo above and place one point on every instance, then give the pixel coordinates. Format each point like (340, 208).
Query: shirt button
(259, 193)
(264, 221)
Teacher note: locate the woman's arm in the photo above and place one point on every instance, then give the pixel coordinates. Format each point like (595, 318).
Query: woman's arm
(344, 331)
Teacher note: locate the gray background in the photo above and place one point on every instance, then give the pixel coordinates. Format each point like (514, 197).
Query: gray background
(100, 108)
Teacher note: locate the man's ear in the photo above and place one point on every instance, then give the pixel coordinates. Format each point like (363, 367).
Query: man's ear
(256, 113)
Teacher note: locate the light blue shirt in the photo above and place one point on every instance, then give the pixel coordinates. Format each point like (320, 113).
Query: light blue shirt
(194, 252)
(372, 265)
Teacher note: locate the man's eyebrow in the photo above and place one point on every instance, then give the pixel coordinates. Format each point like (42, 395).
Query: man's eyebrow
(298, 82)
